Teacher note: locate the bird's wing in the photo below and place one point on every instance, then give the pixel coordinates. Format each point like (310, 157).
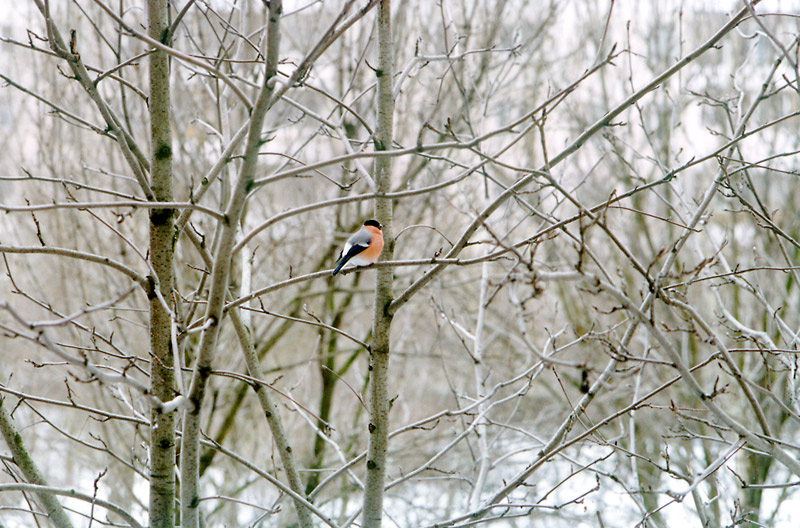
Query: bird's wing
(352, 251)
(355, 245)
(362, 238)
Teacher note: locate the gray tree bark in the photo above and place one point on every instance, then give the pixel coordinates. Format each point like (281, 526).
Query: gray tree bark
(162, 247)
(379, 403)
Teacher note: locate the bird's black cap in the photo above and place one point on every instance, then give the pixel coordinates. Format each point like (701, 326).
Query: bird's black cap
(373, 223)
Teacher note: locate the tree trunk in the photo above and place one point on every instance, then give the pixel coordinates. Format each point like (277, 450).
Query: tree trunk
(162, 247)
(379, 354)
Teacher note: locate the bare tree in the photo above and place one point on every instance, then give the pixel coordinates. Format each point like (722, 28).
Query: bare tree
(586, 310)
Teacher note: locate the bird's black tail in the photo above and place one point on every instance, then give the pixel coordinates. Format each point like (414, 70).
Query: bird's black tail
(342, 262)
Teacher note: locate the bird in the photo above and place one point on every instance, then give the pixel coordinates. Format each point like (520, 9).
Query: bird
(363, 247)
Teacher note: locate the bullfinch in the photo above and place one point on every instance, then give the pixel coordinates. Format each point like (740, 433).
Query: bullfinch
(363, 247)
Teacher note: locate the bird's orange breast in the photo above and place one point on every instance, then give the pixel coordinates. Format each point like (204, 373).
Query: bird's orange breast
(375, 244)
